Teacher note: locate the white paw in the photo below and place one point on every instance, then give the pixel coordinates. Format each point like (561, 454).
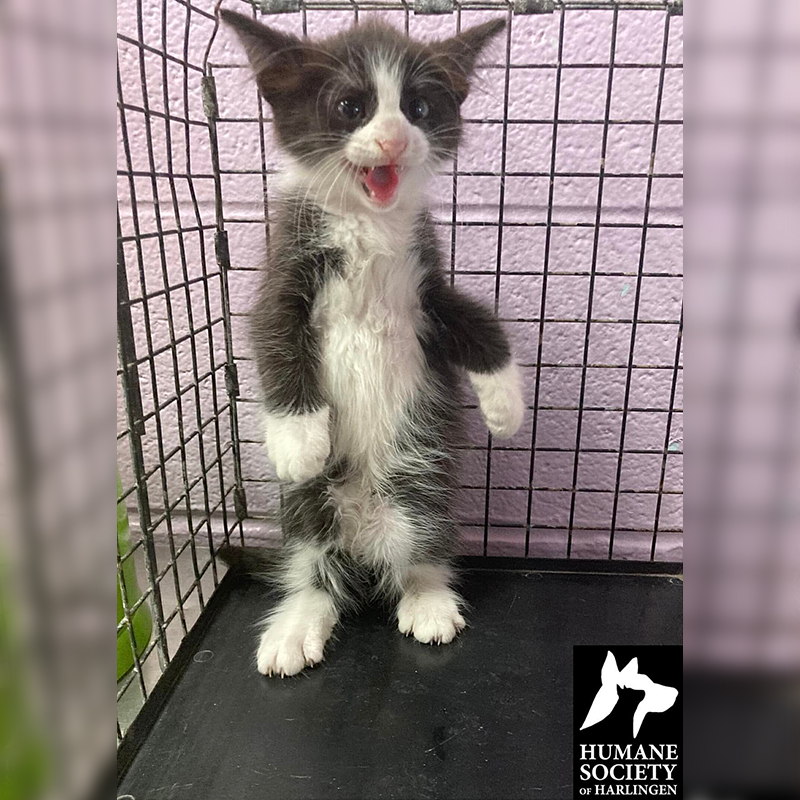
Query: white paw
(298, 444)
(296, 635)
(288, 650)
(431, 616)
(500, 397)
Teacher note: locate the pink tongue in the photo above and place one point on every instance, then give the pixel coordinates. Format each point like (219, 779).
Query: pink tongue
(382, 182)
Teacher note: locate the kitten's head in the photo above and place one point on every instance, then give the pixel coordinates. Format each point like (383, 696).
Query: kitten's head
(368, 114)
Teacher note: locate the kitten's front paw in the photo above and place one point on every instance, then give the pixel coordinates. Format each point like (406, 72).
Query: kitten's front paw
(431, 616)
(298, 444)
(500, 397)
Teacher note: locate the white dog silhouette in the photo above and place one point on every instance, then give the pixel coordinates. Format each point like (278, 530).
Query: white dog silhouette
(657, 698)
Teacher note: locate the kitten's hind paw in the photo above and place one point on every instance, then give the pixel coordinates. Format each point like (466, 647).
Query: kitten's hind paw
(430, 616)
(296, 635)
(284, 651)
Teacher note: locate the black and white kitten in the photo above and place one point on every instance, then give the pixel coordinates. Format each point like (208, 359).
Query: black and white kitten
(359, 339)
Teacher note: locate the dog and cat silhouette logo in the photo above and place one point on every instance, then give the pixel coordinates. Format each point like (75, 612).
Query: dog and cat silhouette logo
(627, 720)
(657, 698)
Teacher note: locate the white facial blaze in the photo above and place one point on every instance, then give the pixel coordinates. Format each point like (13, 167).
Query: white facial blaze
(388, 123)
(389, 87)
(341, 190)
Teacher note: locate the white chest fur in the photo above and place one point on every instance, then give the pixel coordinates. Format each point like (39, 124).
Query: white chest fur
(369, 318)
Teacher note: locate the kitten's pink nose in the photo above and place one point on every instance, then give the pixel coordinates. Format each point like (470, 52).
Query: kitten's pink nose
(392, 148)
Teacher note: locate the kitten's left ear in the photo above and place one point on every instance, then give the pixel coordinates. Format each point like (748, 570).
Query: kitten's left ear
(460, 53)
(465, 47)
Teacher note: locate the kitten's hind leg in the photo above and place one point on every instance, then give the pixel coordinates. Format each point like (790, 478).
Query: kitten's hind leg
(296, 631)
(429, 608)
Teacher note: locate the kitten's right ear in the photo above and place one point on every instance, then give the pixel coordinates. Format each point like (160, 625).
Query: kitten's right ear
(276, 58)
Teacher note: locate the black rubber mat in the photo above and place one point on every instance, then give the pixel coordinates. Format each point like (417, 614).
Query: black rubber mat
(489, 716)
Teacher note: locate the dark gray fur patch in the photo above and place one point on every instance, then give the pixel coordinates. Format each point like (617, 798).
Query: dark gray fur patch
(463, 331)
(285, 344)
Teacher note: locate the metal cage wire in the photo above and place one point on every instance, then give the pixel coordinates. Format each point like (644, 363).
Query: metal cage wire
(184, 372)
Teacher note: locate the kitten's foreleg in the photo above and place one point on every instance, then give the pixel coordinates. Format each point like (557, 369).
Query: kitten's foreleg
(500, 397)
(287, 356)
(298, 444)
(473, 338)
(429, 609)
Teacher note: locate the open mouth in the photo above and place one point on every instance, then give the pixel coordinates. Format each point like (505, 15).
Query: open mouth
(380, 183)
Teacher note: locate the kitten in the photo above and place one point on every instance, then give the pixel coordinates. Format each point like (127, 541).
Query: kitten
(359, 339)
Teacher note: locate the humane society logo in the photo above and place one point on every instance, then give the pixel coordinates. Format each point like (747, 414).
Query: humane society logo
(657, 698)
(627, 720)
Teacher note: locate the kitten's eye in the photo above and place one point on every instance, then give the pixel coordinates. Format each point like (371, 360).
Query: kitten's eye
(418, 108)
(350, 108)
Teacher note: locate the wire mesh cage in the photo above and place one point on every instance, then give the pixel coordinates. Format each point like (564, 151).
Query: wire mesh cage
(563, 210)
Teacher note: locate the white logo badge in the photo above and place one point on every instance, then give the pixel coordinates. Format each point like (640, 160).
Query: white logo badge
(657, 698)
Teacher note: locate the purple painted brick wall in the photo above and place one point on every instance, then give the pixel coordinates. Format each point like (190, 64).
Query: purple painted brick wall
(511, 506)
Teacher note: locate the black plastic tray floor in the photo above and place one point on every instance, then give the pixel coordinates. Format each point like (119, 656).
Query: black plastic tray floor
(489, 716)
